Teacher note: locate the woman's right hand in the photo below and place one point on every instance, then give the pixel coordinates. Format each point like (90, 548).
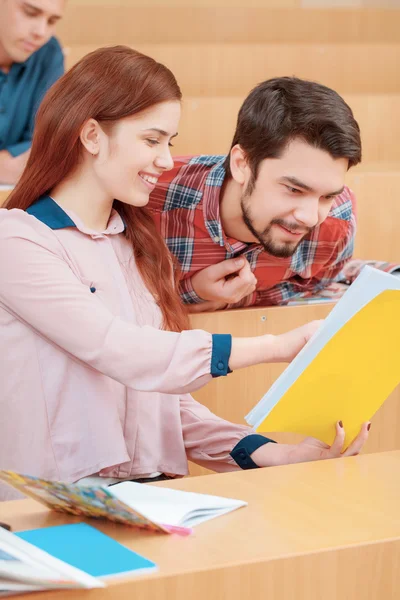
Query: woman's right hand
(270, 348)
(288, 345)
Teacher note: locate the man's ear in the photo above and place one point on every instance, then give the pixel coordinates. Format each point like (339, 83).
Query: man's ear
(90, 136)
(239, 166)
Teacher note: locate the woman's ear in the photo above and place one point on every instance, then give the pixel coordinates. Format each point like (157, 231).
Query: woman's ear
(90, 136)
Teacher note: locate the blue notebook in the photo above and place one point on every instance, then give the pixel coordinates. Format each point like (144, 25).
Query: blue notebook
(89, 550)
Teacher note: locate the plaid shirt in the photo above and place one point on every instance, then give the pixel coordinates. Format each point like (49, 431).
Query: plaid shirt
(185, 206)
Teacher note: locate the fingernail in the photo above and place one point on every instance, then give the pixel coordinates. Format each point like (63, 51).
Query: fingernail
(368, 426)
(238, 262)
(341, 424)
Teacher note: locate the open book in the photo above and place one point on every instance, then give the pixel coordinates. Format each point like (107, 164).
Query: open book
(347, 369)
(146, 506)
(25, 568)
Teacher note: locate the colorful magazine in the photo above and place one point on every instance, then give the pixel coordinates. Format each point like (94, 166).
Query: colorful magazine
(79, 500)
(150, 507)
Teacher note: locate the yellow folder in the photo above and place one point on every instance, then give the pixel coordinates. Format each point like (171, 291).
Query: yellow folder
(348, 379)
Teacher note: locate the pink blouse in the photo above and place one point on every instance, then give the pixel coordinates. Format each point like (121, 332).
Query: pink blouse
(89, 383)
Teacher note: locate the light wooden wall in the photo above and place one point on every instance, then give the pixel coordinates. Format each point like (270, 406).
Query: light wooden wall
(208, 124)
(378, 210)
(190, 3)
(326, 4)
(116, 23)
(213, 69)
(3, 197)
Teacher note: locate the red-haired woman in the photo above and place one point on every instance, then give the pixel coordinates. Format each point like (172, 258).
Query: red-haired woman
(97, 355)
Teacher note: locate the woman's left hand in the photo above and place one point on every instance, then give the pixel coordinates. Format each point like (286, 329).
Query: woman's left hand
(310, 449)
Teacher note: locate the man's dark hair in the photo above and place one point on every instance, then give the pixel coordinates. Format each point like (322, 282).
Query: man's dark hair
(280, 110)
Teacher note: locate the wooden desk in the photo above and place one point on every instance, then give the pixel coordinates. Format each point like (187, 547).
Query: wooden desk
(328, 529)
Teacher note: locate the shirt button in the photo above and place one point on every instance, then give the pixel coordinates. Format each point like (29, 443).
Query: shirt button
(93, 289)
(220, 365)
(216, 238)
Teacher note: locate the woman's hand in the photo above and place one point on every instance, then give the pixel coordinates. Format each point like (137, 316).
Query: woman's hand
(270, 348)
(309, 449)
(288, 345)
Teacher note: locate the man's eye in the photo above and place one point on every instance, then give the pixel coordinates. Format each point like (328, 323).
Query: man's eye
(293, 190)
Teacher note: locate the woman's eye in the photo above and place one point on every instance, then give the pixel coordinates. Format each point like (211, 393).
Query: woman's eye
(170, 145)
(152, 142)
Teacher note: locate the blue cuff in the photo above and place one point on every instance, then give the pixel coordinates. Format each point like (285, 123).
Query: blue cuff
(17, 149)
(221, 353)
(246, 446)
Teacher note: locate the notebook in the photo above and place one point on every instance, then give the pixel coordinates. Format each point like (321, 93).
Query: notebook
(146, 506)
(346, 371)
(26, 568)
(89, 550)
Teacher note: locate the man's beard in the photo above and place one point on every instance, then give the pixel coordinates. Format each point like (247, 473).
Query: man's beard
(266, 237)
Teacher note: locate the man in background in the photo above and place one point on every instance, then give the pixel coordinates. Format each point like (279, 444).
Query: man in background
(31, 60)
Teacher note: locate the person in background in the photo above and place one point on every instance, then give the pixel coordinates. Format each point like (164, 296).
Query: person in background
(98, 358)
(31, 60)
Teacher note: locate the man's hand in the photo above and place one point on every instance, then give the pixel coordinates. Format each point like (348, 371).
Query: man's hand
(225, 283)
(11, 167)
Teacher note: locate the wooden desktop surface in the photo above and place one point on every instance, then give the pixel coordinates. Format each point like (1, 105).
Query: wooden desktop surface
(328, 529)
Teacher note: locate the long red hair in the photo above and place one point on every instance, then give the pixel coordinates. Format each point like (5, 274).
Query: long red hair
(107, 85)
